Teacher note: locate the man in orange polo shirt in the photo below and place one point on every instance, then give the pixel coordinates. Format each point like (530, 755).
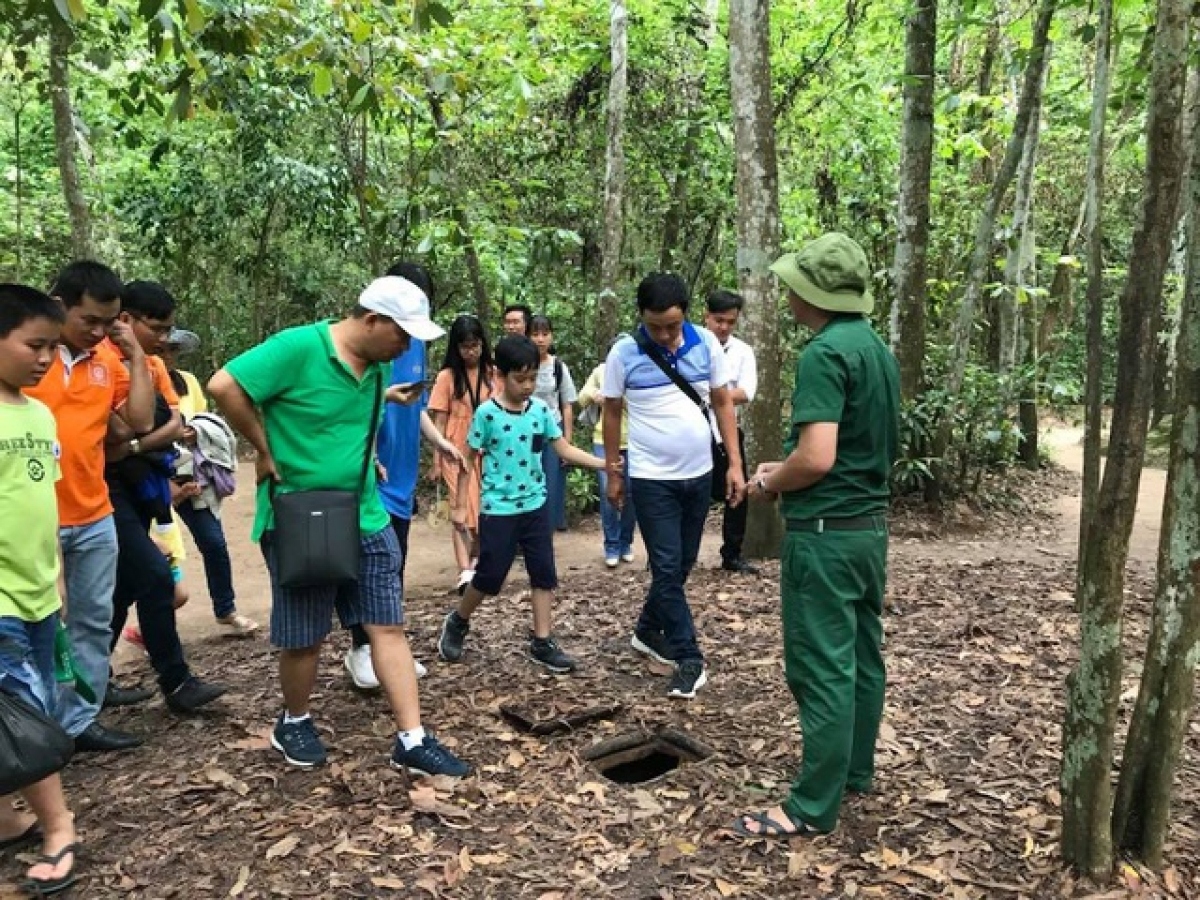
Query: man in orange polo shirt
(139, 482)
(86, 384)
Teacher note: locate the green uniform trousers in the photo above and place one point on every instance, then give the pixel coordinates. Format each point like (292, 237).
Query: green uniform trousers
(833, 585)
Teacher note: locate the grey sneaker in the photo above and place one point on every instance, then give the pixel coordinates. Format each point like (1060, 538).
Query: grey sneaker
(428, 759)
(651, 644)
(454, 632)
(546, 652)
(689, 677)
(299, 743)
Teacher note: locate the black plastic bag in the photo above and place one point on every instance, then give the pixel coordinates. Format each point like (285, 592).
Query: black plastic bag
(32, 745)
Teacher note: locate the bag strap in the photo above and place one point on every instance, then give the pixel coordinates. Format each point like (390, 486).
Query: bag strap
(652, 350)
(372, 431)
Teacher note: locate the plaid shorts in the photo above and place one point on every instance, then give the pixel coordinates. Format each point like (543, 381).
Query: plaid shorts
(303, 617)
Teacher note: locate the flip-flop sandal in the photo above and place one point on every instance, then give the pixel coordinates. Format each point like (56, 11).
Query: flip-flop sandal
(28, 836)
(46, 887)
(770, 828)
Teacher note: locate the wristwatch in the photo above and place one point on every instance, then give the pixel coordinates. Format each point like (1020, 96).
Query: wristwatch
(135, 446)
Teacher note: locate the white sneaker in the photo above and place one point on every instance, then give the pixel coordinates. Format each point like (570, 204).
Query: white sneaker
(611, 561)
(361, 669)
(627, 557)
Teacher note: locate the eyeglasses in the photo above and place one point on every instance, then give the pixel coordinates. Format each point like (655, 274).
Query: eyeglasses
(156, 330)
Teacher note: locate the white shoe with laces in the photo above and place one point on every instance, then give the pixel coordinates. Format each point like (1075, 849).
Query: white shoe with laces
(362, 669)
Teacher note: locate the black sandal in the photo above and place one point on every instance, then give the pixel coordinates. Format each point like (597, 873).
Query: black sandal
(46, 887)
(771, 828)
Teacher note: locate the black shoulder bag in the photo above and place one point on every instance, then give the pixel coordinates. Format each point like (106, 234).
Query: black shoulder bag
(720, 458)
(317, 540)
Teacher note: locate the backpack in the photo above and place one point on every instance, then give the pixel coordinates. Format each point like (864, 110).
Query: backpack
(558, 377)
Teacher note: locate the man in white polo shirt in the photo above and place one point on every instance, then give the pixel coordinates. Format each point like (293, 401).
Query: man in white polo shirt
(669, 459)
(724, 308)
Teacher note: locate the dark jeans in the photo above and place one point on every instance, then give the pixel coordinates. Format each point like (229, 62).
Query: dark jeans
(733, 523)
(144, 581)
(358, 634)
(556, 487)
(210, 540)
(670, 515)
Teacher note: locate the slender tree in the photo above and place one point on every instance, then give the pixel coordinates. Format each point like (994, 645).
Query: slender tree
(758, 242)
(916, 167)
(66, 140)
(1160, 717)
(1094, 686)
(607, 323)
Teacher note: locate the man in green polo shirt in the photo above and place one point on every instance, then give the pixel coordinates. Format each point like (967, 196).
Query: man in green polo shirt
(316, 387)
(835, 489)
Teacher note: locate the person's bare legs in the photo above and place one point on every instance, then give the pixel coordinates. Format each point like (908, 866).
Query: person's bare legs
(543, 603)
(470, 601)
(298, 677)
(13, 822)
(49, 805)
(462, 549)
(394, 668)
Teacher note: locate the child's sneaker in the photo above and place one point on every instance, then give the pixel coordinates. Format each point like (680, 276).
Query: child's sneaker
(298, 742)
(611, 560)
(454, 632)
(428, 759)
(546, 652)
(689, 677)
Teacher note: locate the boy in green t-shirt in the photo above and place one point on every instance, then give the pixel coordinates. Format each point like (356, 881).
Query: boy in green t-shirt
(30, 590)
(510, 431)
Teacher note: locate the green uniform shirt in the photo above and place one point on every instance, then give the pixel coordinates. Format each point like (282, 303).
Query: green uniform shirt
(511, 444)
(847, 375)
(29, 454)
(316, 413)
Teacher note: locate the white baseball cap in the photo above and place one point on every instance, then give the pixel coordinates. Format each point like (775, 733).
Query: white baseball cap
(404, 303)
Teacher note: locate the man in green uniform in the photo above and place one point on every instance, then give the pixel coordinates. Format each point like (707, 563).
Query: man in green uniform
(835, 490)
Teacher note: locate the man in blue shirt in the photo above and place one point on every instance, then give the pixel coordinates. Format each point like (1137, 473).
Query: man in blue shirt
(398, 451)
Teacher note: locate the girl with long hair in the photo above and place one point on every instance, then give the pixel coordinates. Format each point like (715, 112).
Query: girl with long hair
(464, 382)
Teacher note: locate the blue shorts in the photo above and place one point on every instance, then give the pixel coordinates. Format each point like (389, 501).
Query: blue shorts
(499, 537)
(303, 617)
(27, 661)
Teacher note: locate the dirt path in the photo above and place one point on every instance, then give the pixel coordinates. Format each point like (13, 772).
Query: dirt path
(431, 570)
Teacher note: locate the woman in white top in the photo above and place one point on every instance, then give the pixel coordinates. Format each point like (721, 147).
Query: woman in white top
(556, 389)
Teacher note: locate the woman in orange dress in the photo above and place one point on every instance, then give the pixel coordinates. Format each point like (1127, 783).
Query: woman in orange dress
(464, 382)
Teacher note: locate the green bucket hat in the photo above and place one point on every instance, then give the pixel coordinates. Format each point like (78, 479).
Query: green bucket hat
(831, 273)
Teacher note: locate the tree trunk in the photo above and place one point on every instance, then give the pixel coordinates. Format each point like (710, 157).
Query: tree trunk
(609, 318)
(916, 165)
(1093, 401)
(1160, 717)
(1018, 261)
(758, 244)
(66, 143)
(981, 255)
(692, 86)
(1094, 686)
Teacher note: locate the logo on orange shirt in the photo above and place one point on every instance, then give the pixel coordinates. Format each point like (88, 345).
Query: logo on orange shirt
(98, 374)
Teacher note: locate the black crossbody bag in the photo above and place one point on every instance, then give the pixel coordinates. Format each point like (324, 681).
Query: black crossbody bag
(720, 457)
(317, 539)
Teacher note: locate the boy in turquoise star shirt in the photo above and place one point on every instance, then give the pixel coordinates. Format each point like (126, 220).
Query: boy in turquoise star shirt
(509, 432)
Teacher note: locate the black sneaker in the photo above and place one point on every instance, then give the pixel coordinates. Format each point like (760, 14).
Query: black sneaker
(193, 694)
(454, 632)
(546, 652)
(115, 695)
(689, 677)
(740, 565)
(651, 644)
(299, 743)
(428, 759)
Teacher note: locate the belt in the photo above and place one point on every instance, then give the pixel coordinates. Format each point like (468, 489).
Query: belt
(854, 523)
